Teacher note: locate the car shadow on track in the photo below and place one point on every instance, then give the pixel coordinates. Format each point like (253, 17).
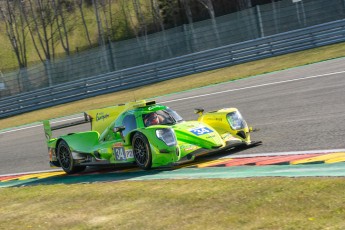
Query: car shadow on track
(116, 173)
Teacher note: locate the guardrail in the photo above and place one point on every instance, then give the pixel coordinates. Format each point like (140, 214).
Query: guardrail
(224, 56)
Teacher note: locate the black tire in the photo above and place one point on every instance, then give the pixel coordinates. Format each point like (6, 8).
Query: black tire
(141, 151)
(66, 159)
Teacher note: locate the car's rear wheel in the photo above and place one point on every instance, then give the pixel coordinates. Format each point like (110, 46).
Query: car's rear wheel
(66, 159)
(141, 151)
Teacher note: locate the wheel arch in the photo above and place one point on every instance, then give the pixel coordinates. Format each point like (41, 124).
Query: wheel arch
(147, 157)
(131, 135)
(58, 142)
(146, 132)
(82, 142)
(72, 166)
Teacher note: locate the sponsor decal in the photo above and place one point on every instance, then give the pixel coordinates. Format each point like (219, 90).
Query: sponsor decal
(118, 144)
(226, 136)
(211, 136)
(229, 137)
(213, 119)
(191, 148)
(188, 147)
(129, 153)
(102, 116)
(201, 131)
(154, 107)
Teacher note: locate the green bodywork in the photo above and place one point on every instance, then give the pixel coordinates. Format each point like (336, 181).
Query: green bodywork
(113, 129)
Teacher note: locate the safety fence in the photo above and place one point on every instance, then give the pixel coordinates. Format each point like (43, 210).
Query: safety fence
(245, 25)
(283, 43)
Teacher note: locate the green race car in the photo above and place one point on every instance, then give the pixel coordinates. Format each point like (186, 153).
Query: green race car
(147, 134)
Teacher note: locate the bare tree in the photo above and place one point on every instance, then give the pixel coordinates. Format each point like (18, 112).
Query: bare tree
(101, 41)
(209, 6)
(60, 19)
(39, 19)
(140, 17)
(158, 20)
(126, 12)
(107, 22)
(109, 63)
(156, 14)
(81, 10)
(105, 6)
(243, 4)
(110, 15)
(188, 11)
(170, 10)
(12, 13)
(127, 20)
(189, 15)
(137, 31)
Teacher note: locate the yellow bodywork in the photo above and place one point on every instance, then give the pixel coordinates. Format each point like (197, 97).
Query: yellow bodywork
(102, 118)
(218, 120)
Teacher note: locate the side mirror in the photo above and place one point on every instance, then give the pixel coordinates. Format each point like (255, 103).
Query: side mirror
(199, 111)
(119, 129)
(251, 129)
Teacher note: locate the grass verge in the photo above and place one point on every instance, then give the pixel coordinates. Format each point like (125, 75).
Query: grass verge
(261, 203)
(182, 83)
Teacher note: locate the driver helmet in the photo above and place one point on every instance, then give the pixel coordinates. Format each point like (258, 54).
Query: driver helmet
(151, 119)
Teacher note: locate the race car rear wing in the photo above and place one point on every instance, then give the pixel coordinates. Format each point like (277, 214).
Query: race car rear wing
(99, 119)
(48, 128)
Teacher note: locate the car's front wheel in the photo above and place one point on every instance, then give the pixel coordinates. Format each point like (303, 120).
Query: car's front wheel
(141, 151)
(66, 159)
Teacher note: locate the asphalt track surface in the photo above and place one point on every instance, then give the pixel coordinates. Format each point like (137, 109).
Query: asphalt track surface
(300, 109)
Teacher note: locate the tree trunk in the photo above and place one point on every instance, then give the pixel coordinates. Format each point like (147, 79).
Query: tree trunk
(209, 6)
(80, 6)
(193, 45)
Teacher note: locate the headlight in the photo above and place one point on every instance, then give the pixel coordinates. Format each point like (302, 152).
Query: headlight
(167, 136)
(236, 121)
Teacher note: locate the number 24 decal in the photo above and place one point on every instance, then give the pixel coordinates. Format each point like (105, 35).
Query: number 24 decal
(201, 131)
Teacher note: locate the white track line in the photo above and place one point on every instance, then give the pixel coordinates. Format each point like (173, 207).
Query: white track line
(198, 96)
(255, 86)
(39, 125)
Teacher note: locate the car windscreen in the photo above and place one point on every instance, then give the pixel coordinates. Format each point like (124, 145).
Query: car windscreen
(161, 117)
(236, 121)
(175, 115)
